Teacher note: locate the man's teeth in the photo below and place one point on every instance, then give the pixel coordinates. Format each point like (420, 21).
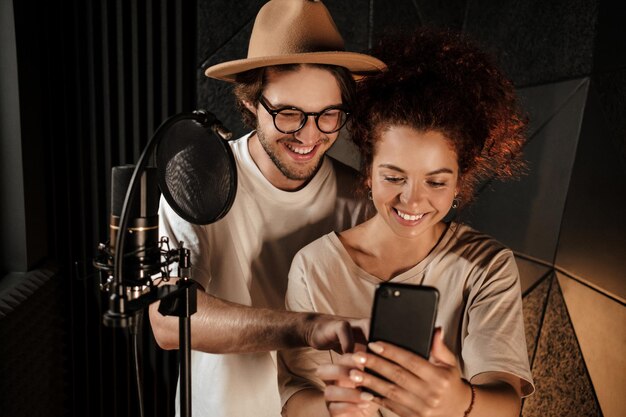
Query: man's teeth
(409, 217)
(301, 150)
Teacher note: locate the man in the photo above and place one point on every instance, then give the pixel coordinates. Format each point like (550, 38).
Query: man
(294, 88)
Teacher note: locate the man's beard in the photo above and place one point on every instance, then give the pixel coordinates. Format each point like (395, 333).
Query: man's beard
(288, 172)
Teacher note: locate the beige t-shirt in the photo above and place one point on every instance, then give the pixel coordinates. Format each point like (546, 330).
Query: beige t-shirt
(480, 305)
(245, 258)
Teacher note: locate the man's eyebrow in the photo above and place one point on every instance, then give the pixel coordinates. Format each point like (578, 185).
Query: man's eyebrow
(435, 172)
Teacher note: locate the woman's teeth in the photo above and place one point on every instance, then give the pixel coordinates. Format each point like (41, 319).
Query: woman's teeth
(409, 217)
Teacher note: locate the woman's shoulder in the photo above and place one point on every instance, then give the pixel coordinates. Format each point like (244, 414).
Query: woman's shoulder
(473, 244)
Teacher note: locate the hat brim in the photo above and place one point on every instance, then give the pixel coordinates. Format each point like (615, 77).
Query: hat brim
(358, 64)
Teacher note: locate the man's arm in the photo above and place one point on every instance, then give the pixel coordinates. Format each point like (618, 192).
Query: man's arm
(220, 326)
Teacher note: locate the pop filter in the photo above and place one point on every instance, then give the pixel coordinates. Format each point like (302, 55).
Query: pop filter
(196, 169)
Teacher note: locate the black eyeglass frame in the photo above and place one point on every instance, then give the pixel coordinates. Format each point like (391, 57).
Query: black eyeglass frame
(316, 115)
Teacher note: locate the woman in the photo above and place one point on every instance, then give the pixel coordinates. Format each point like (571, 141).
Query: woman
(439, 122)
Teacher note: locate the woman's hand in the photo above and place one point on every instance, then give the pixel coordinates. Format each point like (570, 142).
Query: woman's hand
(416, 386)
(342, 396)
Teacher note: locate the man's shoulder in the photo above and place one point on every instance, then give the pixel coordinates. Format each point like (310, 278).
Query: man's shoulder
(351, 206)
(237, 144)
(347, 177)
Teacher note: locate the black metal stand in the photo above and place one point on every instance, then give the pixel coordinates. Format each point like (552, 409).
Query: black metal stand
(182, 302)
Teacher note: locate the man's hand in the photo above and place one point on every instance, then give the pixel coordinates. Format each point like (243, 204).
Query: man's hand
(336, 333)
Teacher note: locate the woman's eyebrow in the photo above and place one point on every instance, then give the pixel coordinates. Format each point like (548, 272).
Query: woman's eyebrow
(435, 172)
(393, 167)
(440, 171)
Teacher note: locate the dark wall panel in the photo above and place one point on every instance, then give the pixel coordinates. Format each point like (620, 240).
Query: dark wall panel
(452, 15)
(537, 41)
(611, 90)
(403, 13)
(592, 243)
(526, 214)
(610, 42)
(216, 96)
(352, 18)
(218, 21)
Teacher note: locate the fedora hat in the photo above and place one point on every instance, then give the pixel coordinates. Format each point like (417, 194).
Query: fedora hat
(295, 32)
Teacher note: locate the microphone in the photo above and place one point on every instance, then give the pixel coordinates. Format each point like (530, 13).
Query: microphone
(142, 246)
(141, 250)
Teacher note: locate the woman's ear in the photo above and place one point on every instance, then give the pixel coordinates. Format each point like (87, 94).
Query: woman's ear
(459, 185)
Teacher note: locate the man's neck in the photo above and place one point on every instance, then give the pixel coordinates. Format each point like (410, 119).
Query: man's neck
(269, 169)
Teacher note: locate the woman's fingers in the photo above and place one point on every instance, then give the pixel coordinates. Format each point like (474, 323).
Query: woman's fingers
(335, 375)
(408, 361)
(344, 394)
(397, 408)
(349, 401)
(401, 394)
(440, 354)
(440, 357)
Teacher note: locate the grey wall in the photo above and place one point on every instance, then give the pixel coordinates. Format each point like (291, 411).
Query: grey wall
(565, 219)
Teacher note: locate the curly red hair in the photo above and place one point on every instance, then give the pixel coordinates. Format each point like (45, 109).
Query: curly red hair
(439, 80)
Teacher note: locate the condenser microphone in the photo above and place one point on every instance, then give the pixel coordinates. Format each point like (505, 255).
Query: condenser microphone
(141, 249)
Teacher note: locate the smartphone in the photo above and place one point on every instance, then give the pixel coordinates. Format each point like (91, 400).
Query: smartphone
(404, 315)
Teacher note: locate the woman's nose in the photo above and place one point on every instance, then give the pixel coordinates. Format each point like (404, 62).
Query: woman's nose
(411, 195)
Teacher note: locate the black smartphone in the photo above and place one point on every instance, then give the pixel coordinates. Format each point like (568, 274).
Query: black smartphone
(404, 315)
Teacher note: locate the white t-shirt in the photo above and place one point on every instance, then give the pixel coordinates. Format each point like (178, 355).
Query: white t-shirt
(480, 305)
(244, 258)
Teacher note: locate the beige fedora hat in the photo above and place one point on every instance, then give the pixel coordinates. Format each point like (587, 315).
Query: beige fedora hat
(295, 32)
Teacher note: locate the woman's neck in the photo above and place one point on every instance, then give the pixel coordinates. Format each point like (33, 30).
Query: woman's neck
(382, 253)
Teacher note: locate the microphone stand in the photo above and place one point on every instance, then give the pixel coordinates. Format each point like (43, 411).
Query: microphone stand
(176, 300)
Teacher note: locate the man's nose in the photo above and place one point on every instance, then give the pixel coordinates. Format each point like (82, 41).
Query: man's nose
(309, 134)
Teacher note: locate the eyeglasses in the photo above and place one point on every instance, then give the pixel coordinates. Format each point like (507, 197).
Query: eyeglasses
(291, 119)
